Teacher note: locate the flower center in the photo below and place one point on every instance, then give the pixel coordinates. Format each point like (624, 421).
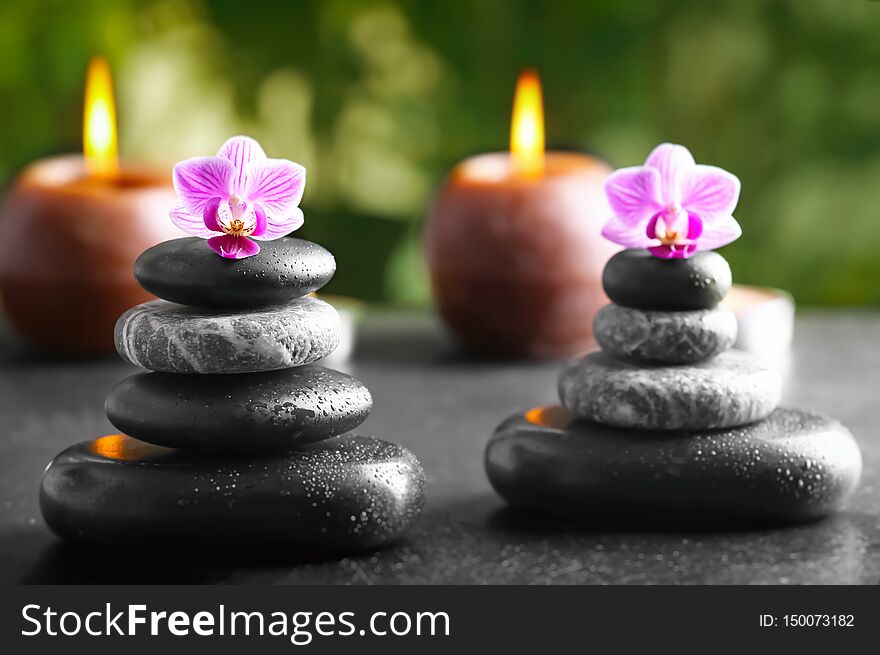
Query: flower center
(671, 227)
(666, 236)
(235, 219)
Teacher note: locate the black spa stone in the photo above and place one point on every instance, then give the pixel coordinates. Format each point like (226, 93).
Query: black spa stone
(793, 466)
(345, 494)
(188, 272)
(251, 412)
(635, 278)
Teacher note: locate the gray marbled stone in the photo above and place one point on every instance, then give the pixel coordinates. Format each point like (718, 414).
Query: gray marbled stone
(664, 337)
(339, 495)
(730, 389)
(793, 466)
(249, 412)
(171, 338)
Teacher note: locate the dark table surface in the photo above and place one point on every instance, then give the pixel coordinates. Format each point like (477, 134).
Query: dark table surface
(443, 406)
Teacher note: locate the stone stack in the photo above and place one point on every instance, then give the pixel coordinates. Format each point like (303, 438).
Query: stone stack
(234, 433)
(667, 421)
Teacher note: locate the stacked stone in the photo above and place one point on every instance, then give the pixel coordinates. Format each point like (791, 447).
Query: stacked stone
(666, 420)
(234, 433)
(665, 362)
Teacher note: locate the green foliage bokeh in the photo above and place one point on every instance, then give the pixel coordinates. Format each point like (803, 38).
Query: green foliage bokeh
(379, 98)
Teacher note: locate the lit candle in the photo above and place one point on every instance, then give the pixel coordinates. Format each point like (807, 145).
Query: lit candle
(72, 227)
(514, 245)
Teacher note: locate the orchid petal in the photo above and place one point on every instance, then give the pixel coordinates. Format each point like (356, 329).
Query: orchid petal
(651, 228)
(231, 247)
(719, 233)
(710, 192)
(209, 217)
(190, 223)
(673, 162)
(678, 222)
(673, 251)
(626, 235)
(260, 223)
(634, 193)
(242, 151)
(199, 179)
(662, 251)
(695, 227)
(275, 229)
(277, 185)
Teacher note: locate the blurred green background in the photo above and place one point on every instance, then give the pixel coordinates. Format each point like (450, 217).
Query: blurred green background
(379, 98)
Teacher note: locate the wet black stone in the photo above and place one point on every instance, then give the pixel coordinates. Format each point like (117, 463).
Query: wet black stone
(188, 272)
(793, 466)
(245, 413)
(341, 495)
(635, 278)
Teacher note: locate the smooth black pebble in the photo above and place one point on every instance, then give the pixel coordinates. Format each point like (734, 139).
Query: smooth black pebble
(794, 466)
(342, 495)
(250, 412)
(188, 272)
(635, 278)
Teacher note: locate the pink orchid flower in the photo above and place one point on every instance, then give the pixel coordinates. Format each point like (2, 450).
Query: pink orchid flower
(238, 195)
(672, 206)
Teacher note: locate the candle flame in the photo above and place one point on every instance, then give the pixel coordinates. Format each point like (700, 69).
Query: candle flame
(527, 126)
(99, 121)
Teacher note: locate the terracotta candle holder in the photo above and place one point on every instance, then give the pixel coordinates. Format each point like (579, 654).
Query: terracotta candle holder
(514, 243)
(68, 246)
(516, 261)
